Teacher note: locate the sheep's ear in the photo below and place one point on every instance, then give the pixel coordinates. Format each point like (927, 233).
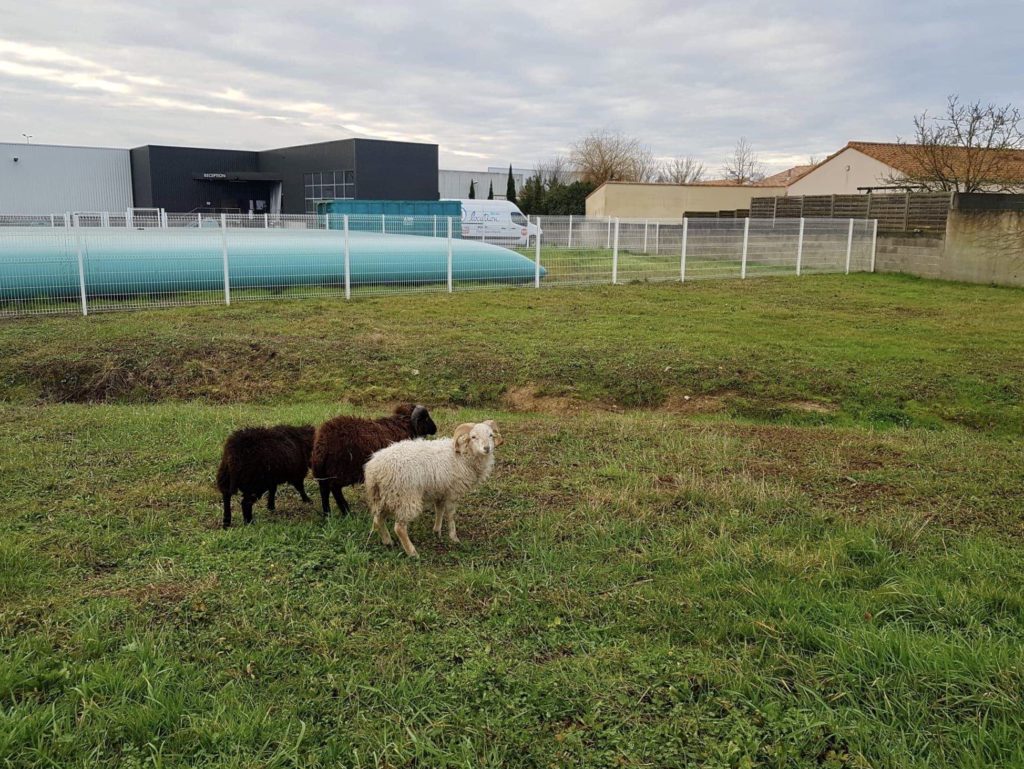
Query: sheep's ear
(498, 440)
(461, 436)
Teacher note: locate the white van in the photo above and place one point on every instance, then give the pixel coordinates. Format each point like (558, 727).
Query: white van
(496, 221)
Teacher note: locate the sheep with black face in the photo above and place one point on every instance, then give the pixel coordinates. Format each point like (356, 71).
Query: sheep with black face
(344, 444)
(256, 460)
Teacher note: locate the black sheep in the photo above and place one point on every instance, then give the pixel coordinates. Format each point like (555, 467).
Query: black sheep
(257, 459)
(344, 444)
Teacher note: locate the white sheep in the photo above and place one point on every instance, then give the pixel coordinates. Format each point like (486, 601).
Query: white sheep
(403, 477)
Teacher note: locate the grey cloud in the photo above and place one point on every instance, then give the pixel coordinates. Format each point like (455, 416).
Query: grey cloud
(508, 83)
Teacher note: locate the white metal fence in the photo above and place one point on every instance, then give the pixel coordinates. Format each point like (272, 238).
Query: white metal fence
(85, 262)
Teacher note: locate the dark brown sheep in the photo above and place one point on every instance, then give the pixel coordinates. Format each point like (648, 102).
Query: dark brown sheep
(344, 444)
(257, 459)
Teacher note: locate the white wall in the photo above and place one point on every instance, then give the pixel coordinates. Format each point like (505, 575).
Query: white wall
(842, 175)
(455, 184)
(50, 179)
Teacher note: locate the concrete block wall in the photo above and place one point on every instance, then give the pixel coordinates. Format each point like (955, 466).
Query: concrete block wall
(913, 255)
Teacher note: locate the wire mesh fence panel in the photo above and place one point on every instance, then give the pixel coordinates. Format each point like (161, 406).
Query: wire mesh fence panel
(714, 248)
(824, 245)
(40, 271)
(640, 257)
(772, 247)
(137, 268)
(573, 251)
(28, 220)
(91, 263)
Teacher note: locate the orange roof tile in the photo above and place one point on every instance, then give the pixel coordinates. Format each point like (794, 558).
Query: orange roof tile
(905, 158)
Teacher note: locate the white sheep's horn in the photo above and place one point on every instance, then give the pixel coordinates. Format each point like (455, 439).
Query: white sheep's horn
(461, 434)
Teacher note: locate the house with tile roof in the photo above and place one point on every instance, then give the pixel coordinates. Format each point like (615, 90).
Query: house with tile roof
(862, 167)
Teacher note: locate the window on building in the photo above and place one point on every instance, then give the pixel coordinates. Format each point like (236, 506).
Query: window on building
(328, 185)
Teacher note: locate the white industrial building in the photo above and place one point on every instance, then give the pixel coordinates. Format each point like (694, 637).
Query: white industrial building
(455, 184)
(50, 178)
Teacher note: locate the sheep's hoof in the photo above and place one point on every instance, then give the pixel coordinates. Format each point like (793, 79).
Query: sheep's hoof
(455, 540)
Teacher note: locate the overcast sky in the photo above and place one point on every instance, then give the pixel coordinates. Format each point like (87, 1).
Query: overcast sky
(495, 83)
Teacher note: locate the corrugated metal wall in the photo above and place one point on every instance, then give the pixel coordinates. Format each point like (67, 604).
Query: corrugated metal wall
(455, 184)
(49, 179)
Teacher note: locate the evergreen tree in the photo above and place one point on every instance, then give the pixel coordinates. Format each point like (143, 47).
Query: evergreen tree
(510, 188)
(490, 192)
(472, 190)
(531, 201)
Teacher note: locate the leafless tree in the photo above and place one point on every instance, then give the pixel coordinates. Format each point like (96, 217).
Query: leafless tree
(604, 156)
(555, 170)
(743, 166)
(813, 160)
(685, 170)
(963, 150)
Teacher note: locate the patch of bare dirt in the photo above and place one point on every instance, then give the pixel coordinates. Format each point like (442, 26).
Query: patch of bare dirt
(526, 398)
(811, 407)
(698, 404)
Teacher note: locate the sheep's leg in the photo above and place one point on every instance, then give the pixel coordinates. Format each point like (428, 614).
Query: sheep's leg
(339, 498)
(301, 488)
(247, 502)
(402, 532)
(438, 515)
(271, 495)
(227, 509)
(382, 529)
(325, 496)
(449, 510)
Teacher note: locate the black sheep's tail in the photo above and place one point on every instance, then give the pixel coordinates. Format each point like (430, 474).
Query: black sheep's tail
(224, 478)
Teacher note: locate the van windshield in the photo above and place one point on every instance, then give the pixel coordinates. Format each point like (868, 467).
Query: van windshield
(518, 218)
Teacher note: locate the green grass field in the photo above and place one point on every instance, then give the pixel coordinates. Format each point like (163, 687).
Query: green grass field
(770, 523)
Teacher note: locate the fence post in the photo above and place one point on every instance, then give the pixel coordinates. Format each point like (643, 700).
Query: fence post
(746, 239)
(874, 242)
(435, 225)
(129, 219)
(77, 221)
(615, 255)
(224, 250)
(67, 219)
(645, 236)
(608, 242)
(536, 257)
(348, 260)
(849, 246)
(451, 285)
(81, 274)
(383, 224)
(800, 247)
(832, 208)
(682, 258)
(906, 211)
(199, 219)
(266, 221)
(657, 238)
(570, 232)
(163, 219)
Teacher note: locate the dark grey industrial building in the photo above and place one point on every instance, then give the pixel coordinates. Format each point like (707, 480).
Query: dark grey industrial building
(289, 180)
